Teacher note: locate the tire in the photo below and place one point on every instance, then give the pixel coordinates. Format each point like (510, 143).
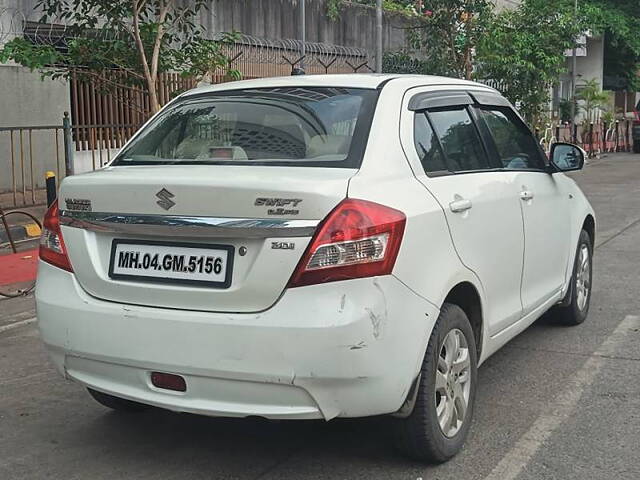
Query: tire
(420, 435)
(117, 403)
(575, 307)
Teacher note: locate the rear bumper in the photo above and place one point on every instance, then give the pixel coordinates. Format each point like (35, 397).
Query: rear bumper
(345, 349)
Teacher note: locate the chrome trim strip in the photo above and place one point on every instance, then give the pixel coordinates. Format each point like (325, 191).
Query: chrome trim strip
(186, 226)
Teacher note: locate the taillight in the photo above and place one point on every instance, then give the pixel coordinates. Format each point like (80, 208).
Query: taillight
(357, 239)
(52, 249)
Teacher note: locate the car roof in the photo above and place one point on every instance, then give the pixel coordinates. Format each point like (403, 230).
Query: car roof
(345, 80)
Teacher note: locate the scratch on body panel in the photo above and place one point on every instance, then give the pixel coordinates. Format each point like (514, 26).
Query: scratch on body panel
(376, 322)
(377, 319)
(342, 302)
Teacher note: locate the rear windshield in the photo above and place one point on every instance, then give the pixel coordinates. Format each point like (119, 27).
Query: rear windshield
(302, 126)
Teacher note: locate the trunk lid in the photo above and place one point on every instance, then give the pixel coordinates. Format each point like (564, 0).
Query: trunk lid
(267, 213)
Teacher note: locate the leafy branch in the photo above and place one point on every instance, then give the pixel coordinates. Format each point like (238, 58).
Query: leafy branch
(140, 37)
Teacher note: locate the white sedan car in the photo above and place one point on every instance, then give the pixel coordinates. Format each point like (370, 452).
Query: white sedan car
(315, 247)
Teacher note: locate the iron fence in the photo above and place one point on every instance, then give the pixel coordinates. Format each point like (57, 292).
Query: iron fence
(101, 139)
(21, 155)
(114, 98)
(595, 137)
(28, 152)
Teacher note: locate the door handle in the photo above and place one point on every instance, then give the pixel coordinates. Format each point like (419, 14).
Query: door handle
(526, 195)
(460, 205)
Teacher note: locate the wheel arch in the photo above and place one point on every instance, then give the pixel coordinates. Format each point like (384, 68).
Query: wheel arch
(466, 296)
(465, 291)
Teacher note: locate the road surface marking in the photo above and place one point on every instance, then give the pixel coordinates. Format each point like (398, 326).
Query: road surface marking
(11, 326)
(523, 451)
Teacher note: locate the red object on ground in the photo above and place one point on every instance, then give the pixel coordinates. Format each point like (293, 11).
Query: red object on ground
(18, 267)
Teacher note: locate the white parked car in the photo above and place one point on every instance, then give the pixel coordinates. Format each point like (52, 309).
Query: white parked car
(315, 247)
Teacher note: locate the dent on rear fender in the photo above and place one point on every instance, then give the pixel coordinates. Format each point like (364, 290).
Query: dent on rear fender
(374, 305)
(378, 319)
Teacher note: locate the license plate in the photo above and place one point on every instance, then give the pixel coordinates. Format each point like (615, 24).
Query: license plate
(186, 263)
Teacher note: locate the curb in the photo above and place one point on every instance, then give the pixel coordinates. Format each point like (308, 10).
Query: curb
(20, 232)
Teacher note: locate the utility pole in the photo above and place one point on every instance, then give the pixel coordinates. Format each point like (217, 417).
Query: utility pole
(573, 78)
(303, 33)
(379, 36)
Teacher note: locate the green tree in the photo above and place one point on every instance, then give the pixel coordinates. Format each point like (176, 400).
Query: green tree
(406, 7)
(619, 20)
(448, 32)
(594, 99)
(445, 31)
(524, 51)
(565, 108)
(141, 37)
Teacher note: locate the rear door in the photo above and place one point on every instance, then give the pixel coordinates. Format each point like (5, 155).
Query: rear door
(479, 201)
(213, 204)
(545, 206)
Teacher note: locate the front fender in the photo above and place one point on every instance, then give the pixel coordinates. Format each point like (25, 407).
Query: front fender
(580, 209)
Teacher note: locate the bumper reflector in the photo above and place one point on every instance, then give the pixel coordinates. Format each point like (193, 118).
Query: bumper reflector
(168, 381)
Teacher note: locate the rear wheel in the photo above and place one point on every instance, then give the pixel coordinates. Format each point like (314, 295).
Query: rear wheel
(117, 403)
(575, 308)
(438, 425)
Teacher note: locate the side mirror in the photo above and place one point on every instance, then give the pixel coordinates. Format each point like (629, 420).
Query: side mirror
(566, 157)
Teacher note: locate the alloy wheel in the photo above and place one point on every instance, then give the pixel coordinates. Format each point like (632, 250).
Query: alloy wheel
(453, 382)
(583, 277)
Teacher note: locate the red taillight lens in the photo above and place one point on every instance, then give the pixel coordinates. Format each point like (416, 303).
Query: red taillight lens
(52, 249)
(357, 239)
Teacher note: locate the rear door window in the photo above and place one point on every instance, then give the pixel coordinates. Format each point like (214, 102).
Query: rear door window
(294, 126)
(427, 145)
(459, 139)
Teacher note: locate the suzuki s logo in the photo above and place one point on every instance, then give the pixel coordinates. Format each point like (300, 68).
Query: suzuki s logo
(165, 197)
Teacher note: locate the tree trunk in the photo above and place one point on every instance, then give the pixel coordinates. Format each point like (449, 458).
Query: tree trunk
(155, 56)
(154, 104)
(468, 65)
(150, 74)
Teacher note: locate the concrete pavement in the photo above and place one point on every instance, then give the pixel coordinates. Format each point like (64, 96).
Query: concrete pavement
(555, 403)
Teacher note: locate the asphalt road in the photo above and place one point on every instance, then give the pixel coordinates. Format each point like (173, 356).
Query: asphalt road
(555, 403)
